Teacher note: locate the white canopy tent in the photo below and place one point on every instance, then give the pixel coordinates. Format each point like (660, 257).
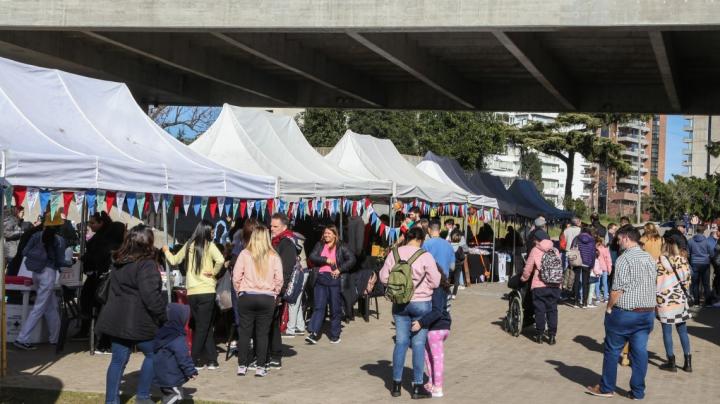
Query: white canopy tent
(62, 130)
(378, 158)
(433, 169)
(259, 142)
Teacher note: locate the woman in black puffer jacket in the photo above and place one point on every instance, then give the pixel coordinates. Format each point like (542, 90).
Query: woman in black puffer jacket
(134, 310)
(332, 260)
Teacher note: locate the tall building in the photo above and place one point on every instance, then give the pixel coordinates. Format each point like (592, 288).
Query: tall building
(554, 172)
(645, 153)
(696, 127)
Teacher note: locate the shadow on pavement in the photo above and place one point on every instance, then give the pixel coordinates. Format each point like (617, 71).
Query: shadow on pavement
(383, 370)
(590, 343)
(578, 374)
(50, 392)
(709, 317)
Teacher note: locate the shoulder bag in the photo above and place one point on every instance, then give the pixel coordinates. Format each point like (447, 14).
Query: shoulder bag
(688, 297)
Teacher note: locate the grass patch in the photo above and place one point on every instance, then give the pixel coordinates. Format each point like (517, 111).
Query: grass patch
(21, 395)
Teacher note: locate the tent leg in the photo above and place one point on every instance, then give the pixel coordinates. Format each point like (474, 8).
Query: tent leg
(492, 255)
(168, 275)
(341, 219)
(3, 322)
(83, 231)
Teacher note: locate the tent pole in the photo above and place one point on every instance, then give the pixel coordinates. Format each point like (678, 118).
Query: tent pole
(168, 275)
(83, 231)
(3, 323)
(341, 219)
(492, 256)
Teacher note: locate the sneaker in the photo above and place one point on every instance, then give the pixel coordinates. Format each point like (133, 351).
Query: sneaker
(335, 340)
(102, 352)
(591, 306)
(233, 345)
(261, 372)
(242, 370)
(461, 287)
(716, 305)
(253, 365)
(437, 392)
(595, 391)
(299, 333)
(288, 334)
(198, 366)
(312, 338)
(24, 346)
(274, 364)
(213, 365)
(453, 297)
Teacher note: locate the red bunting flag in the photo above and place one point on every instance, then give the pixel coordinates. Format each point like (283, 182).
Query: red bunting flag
(368, 202)
(213, 206)
(243, 208)
(19, 195)
(270, 205)
(110, 200)
(177, 201)
(290, 209)
(382, 229)
(148, 198)
(67, 198)
(354, 209)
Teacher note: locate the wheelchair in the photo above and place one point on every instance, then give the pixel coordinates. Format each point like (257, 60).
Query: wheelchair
(520, 313)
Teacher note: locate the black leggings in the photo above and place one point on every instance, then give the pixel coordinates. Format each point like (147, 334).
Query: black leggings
(202, 309)
(585, 273)
(256, 315)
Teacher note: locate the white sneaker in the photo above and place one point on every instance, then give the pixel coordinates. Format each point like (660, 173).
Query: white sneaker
(591, 305)
(437, 393)
(461, 287)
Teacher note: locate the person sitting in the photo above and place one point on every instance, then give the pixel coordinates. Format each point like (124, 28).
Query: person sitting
(172, 363)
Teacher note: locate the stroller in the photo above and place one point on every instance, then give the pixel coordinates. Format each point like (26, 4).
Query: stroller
(520, 312)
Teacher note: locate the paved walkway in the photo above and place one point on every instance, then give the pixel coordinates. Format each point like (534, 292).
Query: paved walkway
(482, 363)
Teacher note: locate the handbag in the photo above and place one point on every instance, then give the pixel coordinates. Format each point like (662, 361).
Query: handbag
(573, 255)
(223, 292)
(688, 297)
(103, 287)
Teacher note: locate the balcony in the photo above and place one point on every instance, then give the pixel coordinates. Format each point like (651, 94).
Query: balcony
(631, 179)
(687, 163)
(635, 153)
(623, 196)
(687, 139)
(687, 150)
(637, 125)
(627, 138)
(688, 128)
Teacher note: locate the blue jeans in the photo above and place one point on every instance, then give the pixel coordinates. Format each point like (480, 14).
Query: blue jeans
(620, 327)
(327, 290)
(604, 284)
(404, 315)
(682, 333)
(121, 350)
(701, 274)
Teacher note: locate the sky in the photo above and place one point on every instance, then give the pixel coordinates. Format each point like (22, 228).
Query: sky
(673, 145)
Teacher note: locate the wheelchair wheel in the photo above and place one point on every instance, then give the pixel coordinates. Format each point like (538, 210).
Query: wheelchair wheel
(515, 316)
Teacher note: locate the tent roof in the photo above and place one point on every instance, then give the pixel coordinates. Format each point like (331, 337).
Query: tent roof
(259, 142)
(526, 189)
(62, 130)
(378, 158)
(448, 171)
(508, 203)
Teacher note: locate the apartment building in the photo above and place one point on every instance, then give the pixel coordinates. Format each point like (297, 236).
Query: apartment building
(554, 172)
(696, 140)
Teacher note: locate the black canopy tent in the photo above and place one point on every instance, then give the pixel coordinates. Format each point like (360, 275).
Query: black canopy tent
(526, 190)
(510, 205)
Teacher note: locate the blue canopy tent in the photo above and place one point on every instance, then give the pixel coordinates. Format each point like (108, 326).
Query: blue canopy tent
(526, 190)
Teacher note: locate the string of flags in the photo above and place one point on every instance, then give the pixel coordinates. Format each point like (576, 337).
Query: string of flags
(143, 203)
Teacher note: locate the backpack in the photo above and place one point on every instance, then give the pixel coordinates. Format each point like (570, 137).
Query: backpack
(551, 269)
(400, 287)
(36, 258)
(295, 286)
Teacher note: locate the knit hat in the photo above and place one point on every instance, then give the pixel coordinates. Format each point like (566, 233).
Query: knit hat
(540, 221)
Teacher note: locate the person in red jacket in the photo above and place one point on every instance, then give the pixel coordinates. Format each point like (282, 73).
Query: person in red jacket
(545, 297)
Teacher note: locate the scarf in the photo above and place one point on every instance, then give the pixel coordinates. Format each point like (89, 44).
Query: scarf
(285, 234)
(178, 315)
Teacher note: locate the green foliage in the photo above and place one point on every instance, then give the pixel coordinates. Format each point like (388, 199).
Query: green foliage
(577, 206)
(466, 136)
(572, 134)
(322, 127)
(531, 168)
(693, 195)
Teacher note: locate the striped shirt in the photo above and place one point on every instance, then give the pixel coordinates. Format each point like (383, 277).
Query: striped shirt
(636, 275)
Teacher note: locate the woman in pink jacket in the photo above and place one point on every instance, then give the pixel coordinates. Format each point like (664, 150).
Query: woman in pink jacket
(545, 297)
(604, 268)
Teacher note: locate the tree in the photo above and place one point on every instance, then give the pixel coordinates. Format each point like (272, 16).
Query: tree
(531, 168)
(569, 135)
(700, 196)
(185, 123)
(468, 137)
(322, 127)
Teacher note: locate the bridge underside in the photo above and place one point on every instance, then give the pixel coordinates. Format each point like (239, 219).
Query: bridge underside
(583, 61)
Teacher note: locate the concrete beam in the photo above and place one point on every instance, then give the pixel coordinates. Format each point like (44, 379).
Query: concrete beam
(405, 54)
(153, 83)
(662, 47)
(308, 64)
(176, 52)
(529, 52)
(361, 15)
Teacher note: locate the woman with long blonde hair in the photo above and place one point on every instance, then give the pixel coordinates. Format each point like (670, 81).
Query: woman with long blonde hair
(258, 278)
(651, 241)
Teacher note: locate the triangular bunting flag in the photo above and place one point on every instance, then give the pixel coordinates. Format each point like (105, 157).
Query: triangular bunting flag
(203, 206)
(235, 206)
(271, 206)
(250, 205)
(32, 197)
(8, 195)
(131, 198)
(221, 205)
(101, 200)
(243, 208)
(44, 201)
(187, 200)
(79, 201)
(67, 198)
(91, 197)
(54, 203)
(110, 198)
(213, 204)
(120, 199)
(197, 202)
(19, 195)
(140, 203)
(156, 201)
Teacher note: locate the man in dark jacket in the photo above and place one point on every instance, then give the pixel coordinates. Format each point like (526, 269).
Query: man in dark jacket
(172, 363)
(700, 250)
(283, 240)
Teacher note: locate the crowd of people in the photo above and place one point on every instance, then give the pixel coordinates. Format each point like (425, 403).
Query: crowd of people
(640, 278)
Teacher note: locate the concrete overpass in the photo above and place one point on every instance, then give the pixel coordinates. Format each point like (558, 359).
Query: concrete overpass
(531, 55)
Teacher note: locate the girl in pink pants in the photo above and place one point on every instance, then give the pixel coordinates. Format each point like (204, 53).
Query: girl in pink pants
(437, 321)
